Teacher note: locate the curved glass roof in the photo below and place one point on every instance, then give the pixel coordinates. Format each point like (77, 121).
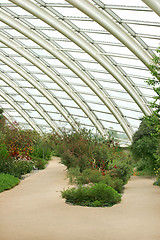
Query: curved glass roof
(65, 64)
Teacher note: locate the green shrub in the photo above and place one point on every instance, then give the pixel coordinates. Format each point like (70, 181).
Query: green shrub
(73, 173)
(3, 151)
(107, 179)
(140, 165)
(19, 168)
(121, 168)
(117, 184)
(39, 163)
(88, 176)
(7, 181)
(69, 159)
(94, 176)
(144, 145)
(122, 172)
(95, 195)
(74, 149)
(15, 167)
(157, 182)
(42, 150)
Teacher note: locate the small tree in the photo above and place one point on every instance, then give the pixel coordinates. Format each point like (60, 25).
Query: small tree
(144, 145)
(154, 119)
(145, 140)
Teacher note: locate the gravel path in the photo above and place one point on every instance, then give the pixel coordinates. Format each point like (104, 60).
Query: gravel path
(34, 210)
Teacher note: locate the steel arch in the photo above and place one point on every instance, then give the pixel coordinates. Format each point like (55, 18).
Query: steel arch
(154, 5)
(59, 26)
(19, 27)
(28, 98)
(20, 111)
(55, 78)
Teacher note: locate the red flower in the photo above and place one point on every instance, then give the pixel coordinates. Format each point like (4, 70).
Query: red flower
(115, 166)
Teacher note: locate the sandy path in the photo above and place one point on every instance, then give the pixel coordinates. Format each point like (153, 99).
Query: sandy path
(34, 210)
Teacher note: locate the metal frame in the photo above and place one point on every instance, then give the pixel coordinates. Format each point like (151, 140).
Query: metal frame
(63, 29)
(96, 12)
(20, 111)
(32, 35)
(55, 78)
(154, 5)
(27, 98)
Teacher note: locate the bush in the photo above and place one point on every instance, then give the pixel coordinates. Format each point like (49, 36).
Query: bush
(140, 165)
(144, 145)
(157, 182)
(107, 179)
(74, 149)
(73, 173)
(94, 176)
(117, 184)
(121, 169)
(7, 181)
(88, 176)
(39, 163)
(15, 166)
(43, 149)
(97, 195)
(18, 168)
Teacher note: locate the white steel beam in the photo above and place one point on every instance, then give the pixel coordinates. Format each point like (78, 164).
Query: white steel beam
(154, 5)
(56, 79)
(51, 49)
(8, 117)
(20, 111)
(92, 51)
(28, 99)
(38, 86)
(107, 23)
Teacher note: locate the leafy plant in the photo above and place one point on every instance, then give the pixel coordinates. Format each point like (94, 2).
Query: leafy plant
(16, 167)
(7, 181)
(73, 173)
(154, 119)
(39, 163)
(144, 145)
(157, 182)
(117, 184)
(97, 195)
(89, 176)
(121, 167)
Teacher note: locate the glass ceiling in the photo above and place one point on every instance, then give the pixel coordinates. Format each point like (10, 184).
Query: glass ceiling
(65, 64)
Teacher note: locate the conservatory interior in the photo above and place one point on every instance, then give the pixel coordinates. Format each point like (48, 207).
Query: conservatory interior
(79, 119)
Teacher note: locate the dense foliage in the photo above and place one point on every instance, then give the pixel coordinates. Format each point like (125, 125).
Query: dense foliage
(154, 119)
(146, 141)
(144, 146)
(97, 195)
(89, 159)
(95, 165)
(7, 181)
(85, 150)
(21, 151)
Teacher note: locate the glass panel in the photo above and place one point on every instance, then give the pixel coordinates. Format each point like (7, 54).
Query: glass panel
(142, 29)
(124, 2)
(137, 15)
(90, 25)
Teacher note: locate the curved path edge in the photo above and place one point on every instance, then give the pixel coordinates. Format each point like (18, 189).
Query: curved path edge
(34, 210)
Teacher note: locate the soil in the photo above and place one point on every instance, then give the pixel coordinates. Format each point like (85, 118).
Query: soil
(34, 210)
